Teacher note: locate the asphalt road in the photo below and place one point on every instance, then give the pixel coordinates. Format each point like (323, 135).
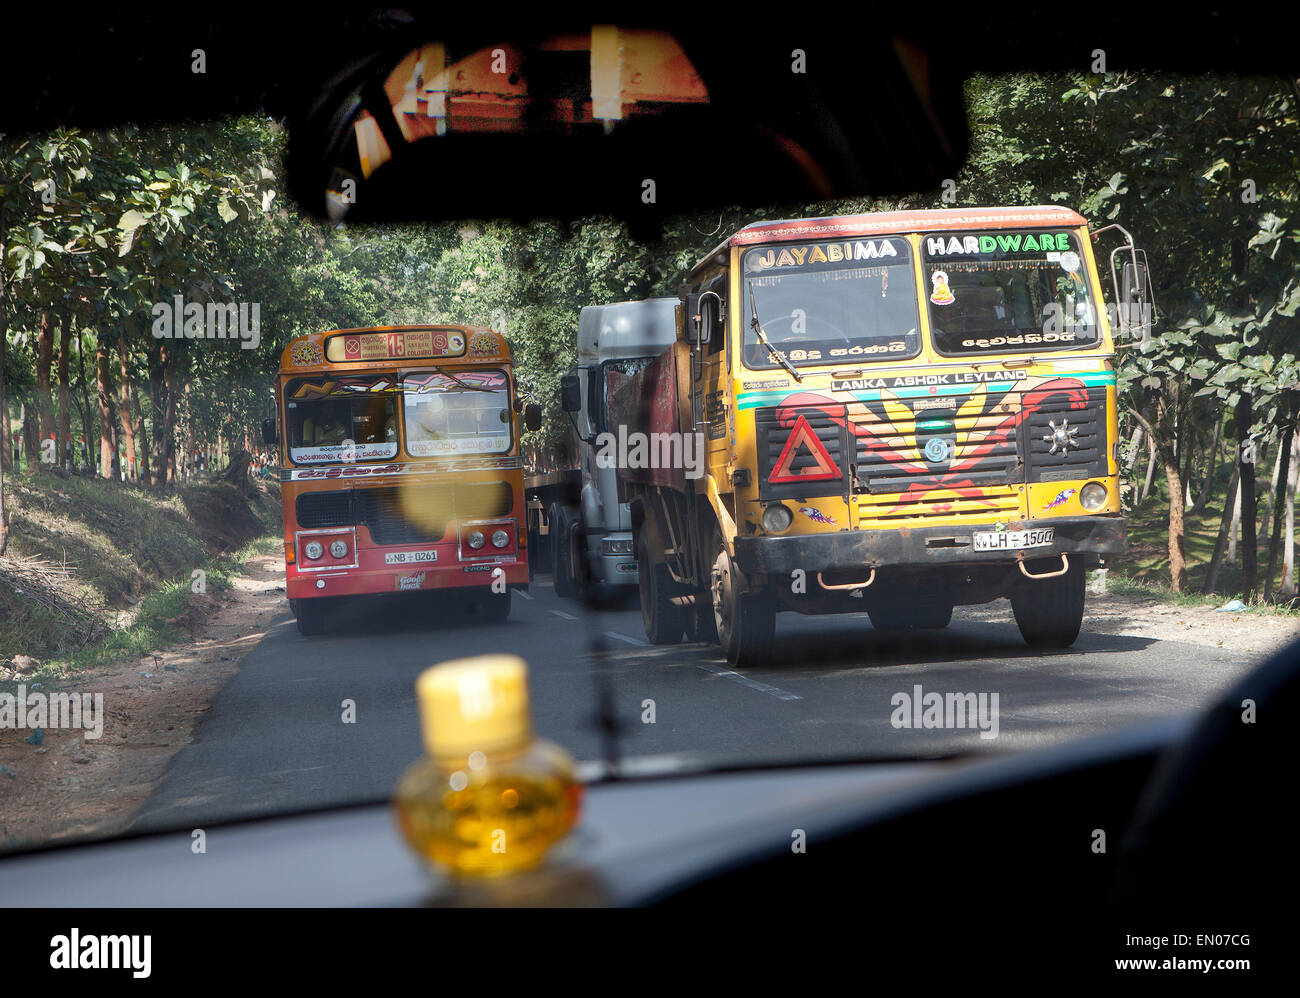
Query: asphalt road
(275, 740)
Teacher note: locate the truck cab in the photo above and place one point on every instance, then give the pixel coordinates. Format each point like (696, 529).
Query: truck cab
(589, 523)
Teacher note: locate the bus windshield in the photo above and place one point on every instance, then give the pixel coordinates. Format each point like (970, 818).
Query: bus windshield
(820, 303)
(1008, 292)
(465, 414)
(334, 420)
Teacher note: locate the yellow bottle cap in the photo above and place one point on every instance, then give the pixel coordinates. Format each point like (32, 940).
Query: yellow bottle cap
(474, 705)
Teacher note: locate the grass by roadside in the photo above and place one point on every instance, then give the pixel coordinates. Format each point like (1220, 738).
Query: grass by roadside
(100, 571)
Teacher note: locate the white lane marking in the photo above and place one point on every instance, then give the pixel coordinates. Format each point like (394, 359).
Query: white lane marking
(520, 592)
(623, 637)
(561, 613)
(753, 684)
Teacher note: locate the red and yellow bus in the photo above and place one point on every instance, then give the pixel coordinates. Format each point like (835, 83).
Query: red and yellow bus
(400, 467)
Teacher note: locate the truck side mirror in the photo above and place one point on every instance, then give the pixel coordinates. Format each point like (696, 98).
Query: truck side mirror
(270, 434)
(701, 317)
(570, 393)
(1137, 302)
(532, 416)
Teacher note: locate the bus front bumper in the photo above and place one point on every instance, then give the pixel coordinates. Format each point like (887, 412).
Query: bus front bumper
(1093, 537)
(354, 582)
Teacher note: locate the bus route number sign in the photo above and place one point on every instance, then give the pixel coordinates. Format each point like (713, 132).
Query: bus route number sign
(414, 343)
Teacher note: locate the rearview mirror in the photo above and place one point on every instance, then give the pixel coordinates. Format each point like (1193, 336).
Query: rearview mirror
(270, 433)
(1137, 303)
(701, 317)
(570, 393)
(532, 416)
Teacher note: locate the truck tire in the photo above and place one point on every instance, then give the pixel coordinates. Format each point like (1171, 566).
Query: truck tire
(922, 615)
(561, 569)
(1049, 612)
(745, 622)
(665, 622)
(311, 614)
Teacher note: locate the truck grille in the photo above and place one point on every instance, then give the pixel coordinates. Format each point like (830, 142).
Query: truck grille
(1084, 412)
(411, 515)
(772, 436)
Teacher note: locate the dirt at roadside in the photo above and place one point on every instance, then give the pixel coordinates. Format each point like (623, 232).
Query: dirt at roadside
(71, 786)
(1255, 633)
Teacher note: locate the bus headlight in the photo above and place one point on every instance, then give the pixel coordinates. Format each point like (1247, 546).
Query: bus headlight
(777, 518)
(1092, 496)
(500, 539)
(476, 539)
(339, 549)
(313, 550)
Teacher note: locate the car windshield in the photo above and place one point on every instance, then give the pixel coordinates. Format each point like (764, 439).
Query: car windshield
(973, 516)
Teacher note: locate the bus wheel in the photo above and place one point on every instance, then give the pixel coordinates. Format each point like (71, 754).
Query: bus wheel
(745, 622)
(489, 608)
(1049, 612)
(311, 616)
(561, 570)
(665, 621)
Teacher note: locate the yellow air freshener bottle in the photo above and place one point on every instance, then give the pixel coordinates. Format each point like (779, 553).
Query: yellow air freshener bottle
(488, 798)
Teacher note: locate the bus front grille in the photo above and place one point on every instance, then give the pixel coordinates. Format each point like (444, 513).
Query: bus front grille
(412, 514)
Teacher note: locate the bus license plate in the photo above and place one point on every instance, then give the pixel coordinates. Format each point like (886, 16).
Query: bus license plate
(409, 557)
(1013, 540)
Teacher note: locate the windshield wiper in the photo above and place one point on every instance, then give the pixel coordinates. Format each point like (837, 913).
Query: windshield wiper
(776, 354)
(473, 388)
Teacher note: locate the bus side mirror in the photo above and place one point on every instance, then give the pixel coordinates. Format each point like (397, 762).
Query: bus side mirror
(270, 435)
(570, 393)
(532, 416)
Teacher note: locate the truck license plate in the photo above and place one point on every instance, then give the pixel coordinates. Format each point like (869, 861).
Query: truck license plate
(1013, 540)
(409, 557)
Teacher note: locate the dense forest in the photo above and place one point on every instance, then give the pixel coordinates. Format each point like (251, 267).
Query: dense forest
(96, 227)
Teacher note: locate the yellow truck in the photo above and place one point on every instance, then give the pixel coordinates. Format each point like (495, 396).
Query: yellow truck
(895, 412)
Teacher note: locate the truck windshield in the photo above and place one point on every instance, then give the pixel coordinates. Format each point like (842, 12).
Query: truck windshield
(444, 417)
(824, 303)
(1000, 292)
(334, 420)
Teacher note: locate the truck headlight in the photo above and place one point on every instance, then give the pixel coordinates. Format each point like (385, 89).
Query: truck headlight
(1092, 496)
(615, 546)
(476, 539)
(313, 550)
(777, 518)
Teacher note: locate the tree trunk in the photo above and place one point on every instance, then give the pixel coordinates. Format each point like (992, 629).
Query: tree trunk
(143, 476)
(107, 415)
(1225, 531)
(1151, 472)
(1245, 417)
(124, 408)
(64, 424)
(1177, 560)
(1270, 498)
(1288, 553)
(44, 402)
(84, 405)
(1204, 496)
(1280, 477)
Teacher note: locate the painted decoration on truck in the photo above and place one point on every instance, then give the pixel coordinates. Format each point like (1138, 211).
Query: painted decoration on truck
(903, 454)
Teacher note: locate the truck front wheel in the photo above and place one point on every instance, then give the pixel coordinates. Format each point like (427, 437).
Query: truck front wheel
(1049, 612)
(665, 621)
(745, 621)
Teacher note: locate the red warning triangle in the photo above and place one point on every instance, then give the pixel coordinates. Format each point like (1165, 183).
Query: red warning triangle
(825, 468)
